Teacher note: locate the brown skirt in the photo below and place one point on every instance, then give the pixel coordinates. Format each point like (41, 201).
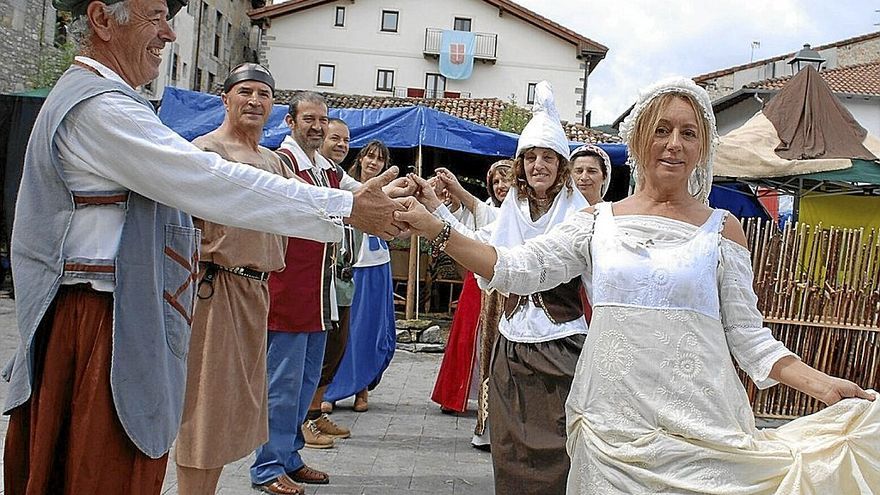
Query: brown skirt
(529, 385)
(67, 438)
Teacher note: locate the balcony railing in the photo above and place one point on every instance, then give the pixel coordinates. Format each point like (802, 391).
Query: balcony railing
(486, 49)
(405, 92)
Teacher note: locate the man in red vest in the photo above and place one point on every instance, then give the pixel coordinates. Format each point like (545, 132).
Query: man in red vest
(302, 309)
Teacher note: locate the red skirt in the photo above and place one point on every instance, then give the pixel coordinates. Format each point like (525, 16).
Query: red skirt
(454, 379)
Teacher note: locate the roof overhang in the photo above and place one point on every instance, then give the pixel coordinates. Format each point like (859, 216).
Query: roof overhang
(740, 95)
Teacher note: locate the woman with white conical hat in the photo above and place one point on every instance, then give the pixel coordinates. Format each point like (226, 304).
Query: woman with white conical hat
(541, 335)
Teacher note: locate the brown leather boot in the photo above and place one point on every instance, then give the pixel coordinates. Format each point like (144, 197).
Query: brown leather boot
(331, 429)
(360, 401)
(315, 439)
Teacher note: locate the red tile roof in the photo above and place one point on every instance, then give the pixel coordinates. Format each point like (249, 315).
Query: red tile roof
(483, 111)
(504, 6)
(860, 79)
(730, 70)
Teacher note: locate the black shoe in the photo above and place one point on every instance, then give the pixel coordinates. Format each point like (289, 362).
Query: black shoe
(484, 447)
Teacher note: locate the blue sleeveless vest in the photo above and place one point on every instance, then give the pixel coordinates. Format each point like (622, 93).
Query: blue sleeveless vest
(154, 274)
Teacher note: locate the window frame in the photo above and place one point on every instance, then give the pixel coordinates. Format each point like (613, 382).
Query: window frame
(530, 93)
(332, 82)
(396, 21)
(438, 77)
(174, 61)
(218, 37)
(336, 21)
(470, 24)
(379, 79)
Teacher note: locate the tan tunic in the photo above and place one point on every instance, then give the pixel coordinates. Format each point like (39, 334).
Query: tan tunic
(225, 410)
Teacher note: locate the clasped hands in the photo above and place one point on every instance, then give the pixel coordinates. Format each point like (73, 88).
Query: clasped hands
(395, 207)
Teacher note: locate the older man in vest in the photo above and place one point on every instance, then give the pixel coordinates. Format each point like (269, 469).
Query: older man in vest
(104, 260)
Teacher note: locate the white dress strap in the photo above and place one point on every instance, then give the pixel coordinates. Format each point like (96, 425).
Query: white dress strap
(715, 223)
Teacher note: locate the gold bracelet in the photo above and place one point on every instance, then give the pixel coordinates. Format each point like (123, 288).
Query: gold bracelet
(438, 244)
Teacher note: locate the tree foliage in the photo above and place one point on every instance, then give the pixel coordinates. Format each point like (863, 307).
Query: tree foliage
(53, 59)
(513, 118)
(51, 63)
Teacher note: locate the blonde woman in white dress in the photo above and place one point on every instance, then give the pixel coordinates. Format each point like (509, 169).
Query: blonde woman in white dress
(656, 405)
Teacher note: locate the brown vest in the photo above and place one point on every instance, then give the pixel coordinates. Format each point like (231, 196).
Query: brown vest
(561, 304)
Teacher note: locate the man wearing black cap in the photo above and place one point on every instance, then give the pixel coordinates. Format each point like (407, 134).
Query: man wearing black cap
(105, 260)
(224, 413)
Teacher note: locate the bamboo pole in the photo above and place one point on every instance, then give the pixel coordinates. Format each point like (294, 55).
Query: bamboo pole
(819, 289)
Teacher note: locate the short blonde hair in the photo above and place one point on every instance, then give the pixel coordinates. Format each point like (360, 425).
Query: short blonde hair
(649, 119)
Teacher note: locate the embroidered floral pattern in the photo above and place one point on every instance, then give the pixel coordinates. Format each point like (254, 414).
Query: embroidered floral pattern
(614, 355)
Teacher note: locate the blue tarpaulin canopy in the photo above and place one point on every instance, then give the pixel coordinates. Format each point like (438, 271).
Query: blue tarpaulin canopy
(192, 114)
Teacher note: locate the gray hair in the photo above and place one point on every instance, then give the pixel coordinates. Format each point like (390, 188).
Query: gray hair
(304, 96)
(81, 32)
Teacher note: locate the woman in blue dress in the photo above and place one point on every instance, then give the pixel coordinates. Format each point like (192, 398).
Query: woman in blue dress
(372, 337)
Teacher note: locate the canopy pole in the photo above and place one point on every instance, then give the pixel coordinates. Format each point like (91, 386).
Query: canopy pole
(796, 207)
(412, 279)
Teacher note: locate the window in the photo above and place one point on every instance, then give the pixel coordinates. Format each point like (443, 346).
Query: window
(198, 79)
(385, 80)
(174, 67)
(461, 24)
(530, 93)
(340, 17)
(210, 88)
(435, 85)
(389, 20)
(326, 74)
(217, 30)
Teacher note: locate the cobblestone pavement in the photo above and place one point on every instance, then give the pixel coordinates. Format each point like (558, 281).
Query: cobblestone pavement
(402, 445)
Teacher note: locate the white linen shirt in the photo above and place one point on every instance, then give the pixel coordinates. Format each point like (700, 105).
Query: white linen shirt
(529, 324)
(114, 143)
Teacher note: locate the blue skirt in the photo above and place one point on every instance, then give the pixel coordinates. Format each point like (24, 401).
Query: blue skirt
(372, 337)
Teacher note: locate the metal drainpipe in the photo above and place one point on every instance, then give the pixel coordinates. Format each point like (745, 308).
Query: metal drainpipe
(587, 60)
(196, 85)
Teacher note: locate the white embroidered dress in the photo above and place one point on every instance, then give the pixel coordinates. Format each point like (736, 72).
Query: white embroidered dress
(656, 405)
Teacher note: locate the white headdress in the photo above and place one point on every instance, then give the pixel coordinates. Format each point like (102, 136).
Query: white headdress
(544, 130)
(700, 182)
(603, 156)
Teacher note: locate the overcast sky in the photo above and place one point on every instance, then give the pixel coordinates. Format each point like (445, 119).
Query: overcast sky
(649, 39)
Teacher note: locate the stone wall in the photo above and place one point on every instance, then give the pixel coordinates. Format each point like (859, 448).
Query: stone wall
(21, 28)
(859, 53)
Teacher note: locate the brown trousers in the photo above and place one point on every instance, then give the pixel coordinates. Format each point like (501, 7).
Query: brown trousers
(67, 438)
(528, 387)
(337, 341)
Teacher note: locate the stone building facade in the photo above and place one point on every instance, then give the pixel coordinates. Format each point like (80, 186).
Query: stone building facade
(212, 37)
(27, 36)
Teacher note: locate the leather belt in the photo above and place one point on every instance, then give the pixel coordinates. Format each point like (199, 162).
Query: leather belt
(241, 271)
